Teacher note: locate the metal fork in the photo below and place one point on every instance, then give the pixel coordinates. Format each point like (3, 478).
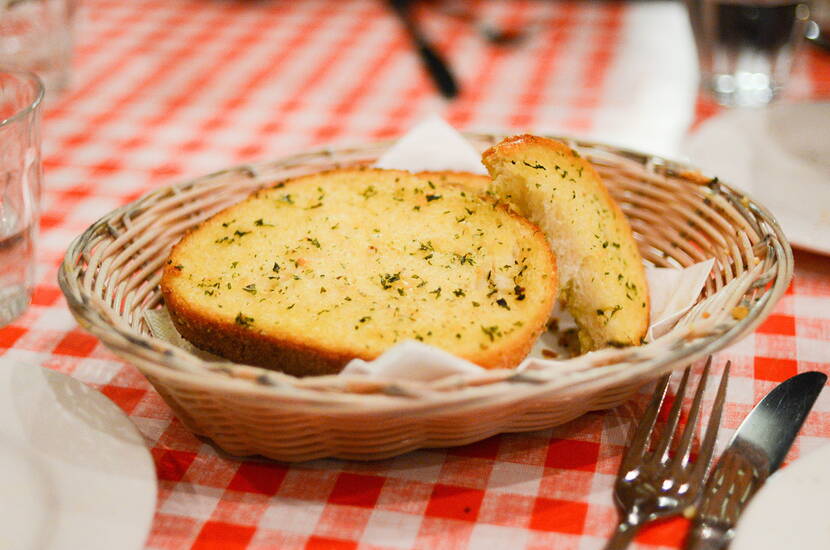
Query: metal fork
(656, 484)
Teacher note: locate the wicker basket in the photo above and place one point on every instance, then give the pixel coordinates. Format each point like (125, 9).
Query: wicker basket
(111, 272)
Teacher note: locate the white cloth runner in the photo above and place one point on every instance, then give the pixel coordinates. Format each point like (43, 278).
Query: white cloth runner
(434, 145)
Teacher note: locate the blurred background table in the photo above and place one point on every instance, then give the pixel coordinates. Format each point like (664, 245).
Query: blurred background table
(163, 91)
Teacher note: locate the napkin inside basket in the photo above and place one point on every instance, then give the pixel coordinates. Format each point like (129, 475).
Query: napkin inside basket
(436, 146)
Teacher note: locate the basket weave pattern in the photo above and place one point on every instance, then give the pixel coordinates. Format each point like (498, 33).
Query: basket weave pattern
(111, 272)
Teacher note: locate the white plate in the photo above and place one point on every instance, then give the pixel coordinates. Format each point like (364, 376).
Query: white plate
(792, 509)
(74, 471)
(780, 156)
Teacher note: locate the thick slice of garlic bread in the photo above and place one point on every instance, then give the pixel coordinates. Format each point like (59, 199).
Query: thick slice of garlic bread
(601, 273)
(306, 275)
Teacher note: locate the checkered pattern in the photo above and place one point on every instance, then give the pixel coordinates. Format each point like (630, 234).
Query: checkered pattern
(171, 90)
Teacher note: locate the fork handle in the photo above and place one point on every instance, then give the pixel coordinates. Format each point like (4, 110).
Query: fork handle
(623, 535)
(706, 537)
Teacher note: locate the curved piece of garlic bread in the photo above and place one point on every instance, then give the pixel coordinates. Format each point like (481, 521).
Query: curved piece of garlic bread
(601, 273)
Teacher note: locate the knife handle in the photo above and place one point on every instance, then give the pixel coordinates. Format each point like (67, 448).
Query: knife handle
(438, 70)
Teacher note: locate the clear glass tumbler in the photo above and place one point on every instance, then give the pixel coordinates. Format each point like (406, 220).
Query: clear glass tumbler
(746, 48)
(37, 36)
(21, 95)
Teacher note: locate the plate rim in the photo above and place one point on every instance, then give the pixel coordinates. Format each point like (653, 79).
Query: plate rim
(795, 239)
(142, 522)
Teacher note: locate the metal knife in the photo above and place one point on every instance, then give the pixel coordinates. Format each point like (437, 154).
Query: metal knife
(755, 451)
(432, 60)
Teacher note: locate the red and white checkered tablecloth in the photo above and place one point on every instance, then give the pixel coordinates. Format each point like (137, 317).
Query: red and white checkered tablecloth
(164, 91)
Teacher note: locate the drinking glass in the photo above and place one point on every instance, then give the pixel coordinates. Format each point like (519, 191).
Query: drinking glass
(37, 36)
(21, 95)
(746, 48)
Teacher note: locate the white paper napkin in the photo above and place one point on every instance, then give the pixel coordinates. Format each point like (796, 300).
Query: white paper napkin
(673, 292)
(432, 145)
(412, 360)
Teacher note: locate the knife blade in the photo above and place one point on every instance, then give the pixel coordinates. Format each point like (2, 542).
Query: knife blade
(755, 451)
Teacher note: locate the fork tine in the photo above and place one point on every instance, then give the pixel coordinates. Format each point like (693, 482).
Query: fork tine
(684, 448)
(639, 443)
(662, 450)
(708, 444)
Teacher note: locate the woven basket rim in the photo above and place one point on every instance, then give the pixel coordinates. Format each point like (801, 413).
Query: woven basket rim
(169, 361)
